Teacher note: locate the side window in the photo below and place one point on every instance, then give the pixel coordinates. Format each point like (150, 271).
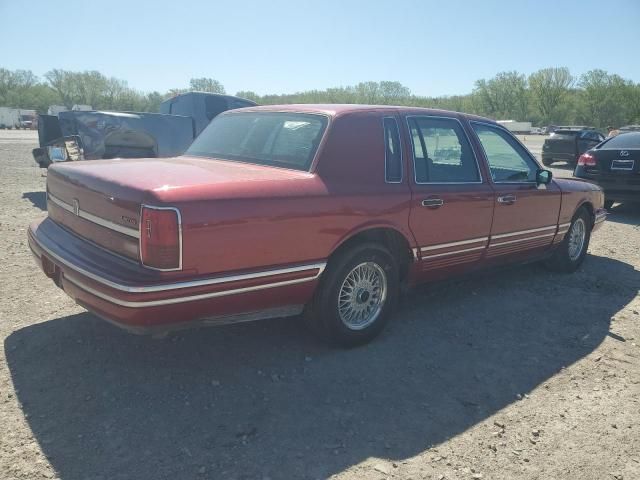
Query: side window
(508, 161)
(293, 141)
(592, 135)
(441, 151)
(392, 151)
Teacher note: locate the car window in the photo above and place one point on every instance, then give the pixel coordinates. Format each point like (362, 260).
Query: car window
(623, 140)
(590, 135)
(393, 151)
(508, 161)
(441, 151)
(279, 139)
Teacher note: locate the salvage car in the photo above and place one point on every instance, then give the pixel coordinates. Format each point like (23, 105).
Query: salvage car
(320, 210)
(568, 143)
(82, 134)
(615, 166)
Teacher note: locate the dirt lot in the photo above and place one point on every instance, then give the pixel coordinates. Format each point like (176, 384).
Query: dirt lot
(517, 374)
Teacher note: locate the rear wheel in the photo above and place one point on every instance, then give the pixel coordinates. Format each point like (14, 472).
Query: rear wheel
(356, 296)
(570, 254)
(547, 161)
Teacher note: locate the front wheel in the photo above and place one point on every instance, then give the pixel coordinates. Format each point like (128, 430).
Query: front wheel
(356, 296)
(570, 254)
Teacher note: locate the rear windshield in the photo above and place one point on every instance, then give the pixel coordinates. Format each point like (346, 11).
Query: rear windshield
(623, 140)
(279, 139)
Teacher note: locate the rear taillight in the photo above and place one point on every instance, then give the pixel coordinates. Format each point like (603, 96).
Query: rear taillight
(587, 160)
(160, 238)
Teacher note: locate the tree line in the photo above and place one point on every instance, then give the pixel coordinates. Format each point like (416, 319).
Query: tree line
(550, 96)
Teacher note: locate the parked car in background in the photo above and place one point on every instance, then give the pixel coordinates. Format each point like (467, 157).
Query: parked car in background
(614, 165)
(568, 143)
(27, 118)
(92, 135)
(324, 210)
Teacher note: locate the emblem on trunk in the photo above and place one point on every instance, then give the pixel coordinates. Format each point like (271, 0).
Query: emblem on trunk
(624, 153)
(76, 207)
(129, 220)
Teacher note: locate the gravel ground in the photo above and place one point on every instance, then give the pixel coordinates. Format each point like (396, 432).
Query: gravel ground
(516, 374)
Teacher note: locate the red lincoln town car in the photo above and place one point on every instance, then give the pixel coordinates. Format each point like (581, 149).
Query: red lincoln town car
(320, 210)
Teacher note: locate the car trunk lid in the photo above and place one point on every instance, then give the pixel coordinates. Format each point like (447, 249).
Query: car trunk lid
(101, 201)
(618, 161)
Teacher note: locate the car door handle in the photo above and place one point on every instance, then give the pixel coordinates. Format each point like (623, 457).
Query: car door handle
(432, 202)
(507, 199)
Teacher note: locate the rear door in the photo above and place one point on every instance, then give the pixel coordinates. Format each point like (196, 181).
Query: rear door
(452, 205)
(526, 214)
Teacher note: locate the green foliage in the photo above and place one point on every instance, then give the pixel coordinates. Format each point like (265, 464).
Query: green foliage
(548, 96)
(550, 88)
(503, 96)
(606, 99)
(209, 85)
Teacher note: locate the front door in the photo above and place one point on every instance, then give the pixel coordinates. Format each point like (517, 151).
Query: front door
(452, 205)
(526, 214)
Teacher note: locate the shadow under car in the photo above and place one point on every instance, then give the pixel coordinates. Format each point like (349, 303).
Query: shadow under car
(264, 399)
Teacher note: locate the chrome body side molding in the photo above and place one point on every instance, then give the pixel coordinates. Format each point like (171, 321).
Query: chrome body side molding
(78, 212)
(189, 283)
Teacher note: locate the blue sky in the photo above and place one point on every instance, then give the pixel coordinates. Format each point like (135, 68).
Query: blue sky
(283, 46)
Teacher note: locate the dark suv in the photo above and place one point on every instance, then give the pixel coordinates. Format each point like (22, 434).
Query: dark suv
(568, 143)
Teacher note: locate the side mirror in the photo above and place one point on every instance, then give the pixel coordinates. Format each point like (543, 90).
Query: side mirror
(543, 177)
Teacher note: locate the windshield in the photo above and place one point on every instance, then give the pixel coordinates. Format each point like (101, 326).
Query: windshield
(279, 139)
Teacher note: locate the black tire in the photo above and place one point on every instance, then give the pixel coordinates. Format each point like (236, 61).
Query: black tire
(547, 161)
(608, 204)
(322, 315)
(562, 260)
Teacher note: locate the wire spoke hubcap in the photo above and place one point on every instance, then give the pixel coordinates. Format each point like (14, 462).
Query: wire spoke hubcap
(362, 295)
(577, 237)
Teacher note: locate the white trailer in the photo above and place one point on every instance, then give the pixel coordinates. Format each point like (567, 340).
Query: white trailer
(82, 108)
(56, 109)
(9, 118)
(516, 127)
